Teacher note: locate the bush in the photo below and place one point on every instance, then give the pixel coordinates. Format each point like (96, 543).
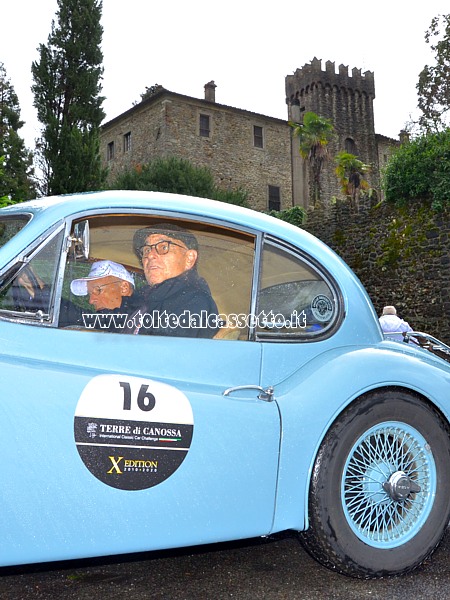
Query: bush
(295, 215)
(237, 196)
(177, 176)
(420, 170)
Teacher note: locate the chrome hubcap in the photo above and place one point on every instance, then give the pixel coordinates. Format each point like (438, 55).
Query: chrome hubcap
(399, 486)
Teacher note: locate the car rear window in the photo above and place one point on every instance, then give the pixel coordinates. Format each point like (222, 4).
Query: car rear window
(296, 297)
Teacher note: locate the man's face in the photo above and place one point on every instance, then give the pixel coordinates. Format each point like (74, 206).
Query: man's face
(106, 292)
(159, 267)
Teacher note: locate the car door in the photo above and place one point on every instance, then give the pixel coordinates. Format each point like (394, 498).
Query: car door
(303, 311)
(115, 443)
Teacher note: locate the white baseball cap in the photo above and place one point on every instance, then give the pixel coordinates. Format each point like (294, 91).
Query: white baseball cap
(100, 269)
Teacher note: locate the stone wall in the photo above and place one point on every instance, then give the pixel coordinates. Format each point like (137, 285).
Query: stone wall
(402, 256)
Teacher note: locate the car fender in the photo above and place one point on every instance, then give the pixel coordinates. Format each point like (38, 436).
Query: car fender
(312, 398)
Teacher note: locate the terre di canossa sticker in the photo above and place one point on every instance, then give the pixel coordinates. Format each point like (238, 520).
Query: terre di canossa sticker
(132, 433)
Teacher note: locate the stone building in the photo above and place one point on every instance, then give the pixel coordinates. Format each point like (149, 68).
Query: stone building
(250, 150)
(241, 148)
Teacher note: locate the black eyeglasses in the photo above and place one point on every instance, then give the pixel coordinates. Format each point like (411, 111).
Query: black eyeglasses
(161, 248)
(98, 289)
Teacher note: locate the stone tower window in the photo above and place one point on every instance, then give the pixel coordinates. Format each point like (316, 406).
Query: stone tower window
(350, 146)
(205, 127)
(127, 142)
(258, 139)
(110, 151)
(274, 198)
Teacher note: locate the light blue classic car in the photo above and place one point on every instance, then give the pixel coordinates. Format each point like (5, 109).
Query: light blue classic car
(294, 414)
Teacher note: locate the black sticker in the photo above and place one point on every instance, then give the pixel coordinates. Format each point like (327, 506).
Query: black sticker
(132, 433)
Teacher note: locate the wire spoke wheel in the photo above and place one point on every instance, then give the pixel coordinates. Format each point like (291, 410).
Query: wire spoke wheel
(389, 484)
(379, 500)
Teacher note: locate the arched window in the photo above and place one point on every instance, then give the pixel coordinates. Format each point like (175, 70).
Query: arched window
(350, 146)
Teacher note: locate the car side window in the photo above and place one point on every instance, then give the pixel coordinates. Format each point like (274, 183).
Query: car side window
(10, 226)
(295, 299)
(225, 261)
(28, 287)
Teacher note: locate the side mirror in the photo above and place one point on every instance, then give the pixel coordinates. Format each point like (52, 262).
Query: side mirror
(80, 240)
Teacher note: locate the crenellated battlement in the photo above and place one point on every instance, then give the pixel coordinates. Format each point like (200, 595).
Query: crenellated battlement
(312, 74)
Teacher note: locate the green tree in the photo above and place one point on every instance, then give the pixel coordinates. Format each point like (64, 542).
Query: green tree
(16, 182)
(314, 135)
(419, 171)
(150, 91)
(4, 200)
(350, 171)
(67, 86)
(434, 81)
(177, 176)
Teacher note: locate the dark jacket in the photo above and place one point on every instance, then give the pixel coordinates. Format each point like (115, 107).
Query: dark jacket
(181, 306)
(114, 319)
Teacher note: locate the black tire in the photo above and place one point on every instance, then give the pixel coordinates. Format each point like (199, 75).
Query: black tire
(387, 438)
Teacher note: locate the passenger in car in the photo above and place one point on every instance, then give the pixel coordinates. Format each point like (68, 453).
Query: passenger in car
(110, 287)
(177, 301)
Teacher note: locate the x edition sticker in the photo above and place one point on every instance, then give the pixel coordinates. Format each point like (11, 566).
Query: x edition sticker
(132, 433)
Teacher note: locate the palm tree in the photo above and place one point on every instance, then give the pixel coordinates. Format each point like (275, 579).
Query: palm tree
(350, 171)
(314, 135)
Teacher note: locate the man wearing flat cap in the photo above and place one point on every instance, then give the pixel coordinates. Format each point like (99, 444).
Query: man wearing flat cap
(177, 301)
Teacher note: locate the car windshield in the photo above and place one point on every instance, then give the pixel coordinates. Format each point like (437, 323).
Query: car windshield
(10, 226)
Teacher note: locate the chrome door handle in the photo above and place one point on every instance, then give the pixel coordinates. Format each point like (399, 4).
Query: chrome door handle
(264, 394)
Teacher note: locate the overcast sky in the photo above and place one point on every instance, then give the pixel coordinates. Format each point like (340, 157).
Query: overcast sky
(246, 47)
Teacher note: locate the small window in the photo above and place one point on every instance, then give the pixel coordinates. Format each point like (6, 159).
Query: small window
(294, 298)
(9, 226)
(274, 198)
(205, 125)
(350, 146)
(31, 284)
(258, 140)
(110, 151)
(127, 142)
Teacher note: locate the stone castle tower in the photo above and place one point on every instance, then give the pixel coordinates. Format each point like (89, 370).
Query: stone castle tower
(348, 102)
